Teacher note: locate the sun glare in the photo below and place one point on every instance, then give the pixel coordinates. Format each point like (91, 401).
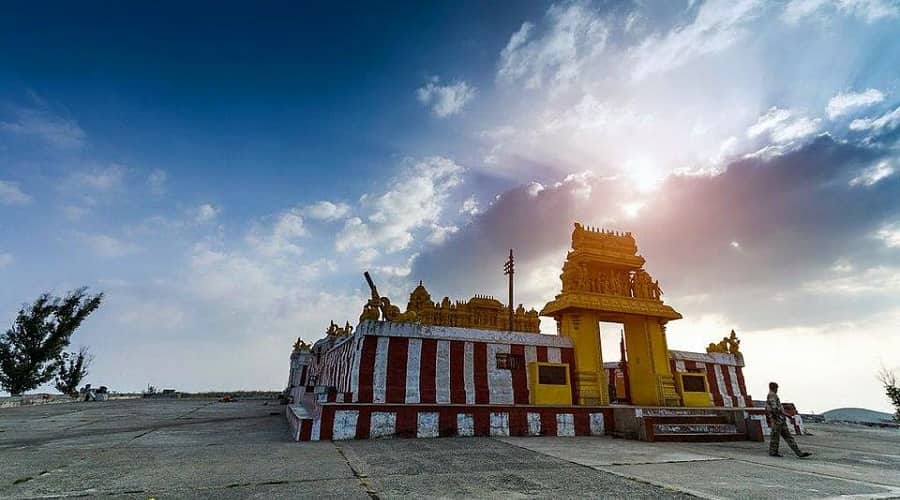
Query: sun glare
(644, 173)
(632, 209)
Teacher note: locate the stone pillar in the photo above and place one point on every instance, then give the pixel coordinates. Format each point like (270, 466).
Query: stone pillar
(652, 383)
(590, 382)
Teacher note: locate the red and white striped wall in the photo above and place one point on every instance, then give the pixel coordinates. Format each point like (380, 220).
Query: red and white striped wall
(299, 375)
(408, 363)
(724, 372)
(365, 421)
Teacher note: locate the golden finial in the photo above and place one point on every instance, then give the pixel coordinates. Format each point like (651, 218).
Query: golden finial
(300, 345)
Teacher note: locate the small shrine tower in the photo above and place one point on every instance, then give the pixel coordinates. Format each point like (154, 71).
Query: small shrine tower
(603, 280)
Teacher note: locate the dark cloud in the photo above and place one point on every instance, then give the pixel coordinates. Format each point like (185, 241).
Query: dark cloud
(792, 217)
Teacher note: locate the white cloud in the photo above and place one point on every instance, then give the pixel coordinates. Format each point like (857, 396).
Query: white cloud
(412, 201)
(445, 100)
(280, 238)
(847, 102)
(164, 316)
(99, 179)
(45, 125)
(206, 212)
(579, 184)
(796, 10)
(888, 120)
(314, 270)
(250, 294)
(393, 271)
(366, 256)
(718, 26)
(326, 210)
(439, 233)
(5, 259)
(534, 188)
(574, 36)
(781, 126)
(842, 265)
(890, 235)
(11, 194)
(108, 246)
(878, 280)
(632, 209)
(470, 206)
(868, 10)
(219, 275)
(157, 181)
(774, 117)
(74, 212)
(873, 174)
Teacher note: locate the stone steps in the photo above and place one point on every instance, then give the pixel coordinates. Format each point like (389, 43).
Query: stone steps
(696, 431)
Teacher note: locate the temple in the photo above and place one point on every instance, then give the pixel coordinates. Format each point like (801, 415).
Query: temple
(481, 311)
(481, 367)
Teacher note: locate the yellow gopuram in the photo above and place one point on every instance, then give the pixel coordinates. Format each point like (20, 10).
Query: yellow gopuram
(603, 280)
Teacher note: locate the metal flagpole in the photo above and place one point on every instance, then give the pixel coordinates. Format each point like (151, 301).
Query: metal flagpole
(509, 269)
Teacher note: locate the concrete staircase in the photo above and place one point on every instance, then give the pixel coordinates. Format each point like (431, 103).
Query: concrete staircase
(691, 425)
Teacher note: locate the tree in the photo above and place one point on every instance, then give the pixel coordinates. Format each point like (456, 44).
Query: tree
(889, 380)
(73, 367)
(31, 349)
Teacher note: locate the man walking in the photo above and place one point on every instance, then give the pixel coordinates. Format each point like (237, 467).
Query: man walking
(777, 419)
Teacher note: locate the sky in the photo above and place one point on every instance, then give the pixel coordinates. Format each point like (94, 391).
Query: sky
(225, 173)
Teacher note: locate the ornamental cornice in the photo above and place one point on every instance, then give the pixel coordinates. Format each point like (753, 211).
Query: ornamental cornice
(609, 303)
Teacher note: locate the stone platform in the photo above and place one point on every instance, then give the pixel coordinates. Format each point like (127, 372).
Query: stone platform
(315, 419)
(206, 449)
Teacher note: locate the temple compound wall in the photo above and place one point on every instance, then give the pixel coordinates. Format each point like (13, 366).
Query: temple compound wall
(418, 380)
(479, 367)
(386, 362)
(724, 378)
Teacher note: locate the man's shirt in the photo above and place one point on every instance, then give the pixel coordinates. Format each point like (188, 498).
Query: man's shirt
(774, 408)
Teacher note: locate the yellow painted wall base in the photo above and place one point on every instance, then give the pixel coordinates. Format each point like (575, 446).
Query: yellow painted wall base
(550, 393)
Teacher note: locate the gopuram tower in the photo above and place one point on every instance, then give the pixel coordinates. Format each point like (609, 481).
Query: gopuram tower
(603, 280)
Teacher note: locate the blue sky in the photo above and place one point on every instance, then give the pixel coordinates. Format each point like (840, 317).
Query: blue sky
(226, 173)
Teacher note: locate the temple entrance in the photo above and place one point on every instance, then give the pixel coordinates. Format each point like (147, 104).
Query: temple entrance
(614, 355)
(610, 340)
(603, 280)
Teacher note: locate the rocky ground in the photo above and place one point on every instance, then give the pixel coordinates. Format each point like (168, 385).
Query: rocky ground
(208, 449)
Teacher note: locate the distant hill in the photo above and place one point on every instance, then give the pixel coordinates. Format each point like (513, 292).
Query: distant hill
(857, 415)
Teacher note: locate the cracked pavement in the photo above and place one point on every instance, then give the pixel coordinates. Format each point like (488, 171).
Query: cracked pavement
(195, 448)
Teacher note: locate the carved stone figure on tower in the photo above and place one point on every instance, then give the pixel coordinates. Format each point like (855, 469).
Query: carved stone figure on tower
(371, 311)
(605, 282)
(734, 343)
(728, 345)
(581, 276)
(655, 290)
(567, 278)
(641, 284)
(392, 312)
(300, 345)
(619, 286)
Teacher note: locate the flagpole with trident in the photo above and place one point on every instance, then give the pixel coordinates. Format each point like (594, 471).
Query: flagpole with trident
(509, 270)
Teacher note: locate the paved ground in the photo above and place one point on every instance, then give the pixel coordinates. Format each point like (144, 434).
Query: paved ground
(206, 449)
